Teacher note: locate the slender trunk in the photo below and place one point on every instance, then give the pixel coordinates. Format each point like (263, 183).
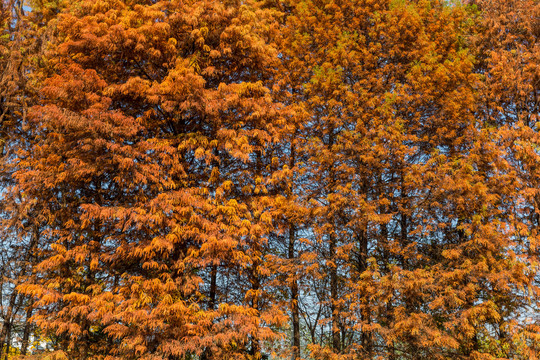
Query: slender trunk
(365, 336)
(336, 341)
(404, 221)
(206, 354)
(8, 338)
(255, 350)
(295, 312)
(294, 300)
(255, 345)
(26, 331)
(5, 335)
(213, 287)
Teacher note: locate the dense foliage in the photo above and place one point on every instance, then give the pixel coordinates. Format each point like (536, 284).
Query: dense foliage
(318, 179)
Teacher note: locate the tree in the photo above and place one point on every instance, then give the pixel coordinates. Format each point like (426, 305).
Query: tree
(152, 128)
(506, 49)
(396, 153)
(20, 228)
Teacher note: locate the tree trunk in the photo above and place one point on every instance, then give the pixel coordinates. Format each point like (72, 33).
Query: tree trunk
(5, 335)
(294, 300)
(336, 338)
(26, 332)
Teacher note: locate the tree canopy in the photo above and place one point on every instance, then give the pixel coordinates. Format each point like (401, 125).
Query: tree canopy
(312, 179)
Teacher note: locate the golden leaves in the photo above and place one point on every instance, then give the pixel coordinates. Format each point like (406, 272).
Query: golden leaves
(198, 178)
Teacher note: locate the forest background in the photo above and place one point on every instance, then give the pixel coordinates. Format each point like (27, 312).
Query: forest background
(226, 179)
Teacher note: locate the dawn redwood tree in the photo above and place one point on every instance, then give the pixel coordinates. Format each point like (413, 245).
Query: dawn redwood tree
(20, 226)
(404, 184)
(150, 169)
(506, 47)
(11, 83)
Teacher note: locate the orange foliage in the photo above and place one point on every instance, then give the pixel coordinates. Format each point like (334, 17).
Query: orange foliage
(333, 179)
